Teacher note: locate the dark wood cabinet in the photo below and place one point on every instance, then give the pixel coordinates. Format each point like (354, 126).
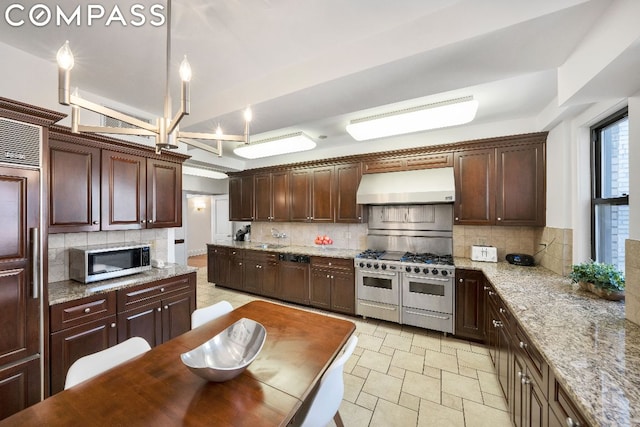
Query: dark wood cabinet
(395, 164)
(347, 180)
(332, 284)
(79, 328)
(272, 196)
(124, 195)
(312, 195)
(164, 194)
(236, 269)
(562, 409)
(218, 265)
(74, 187)
(474, 172)
(260, 272)
(470, 304)
(520, 185)
(19, 386)
(241, 198)
(293, 285)
(500, 186)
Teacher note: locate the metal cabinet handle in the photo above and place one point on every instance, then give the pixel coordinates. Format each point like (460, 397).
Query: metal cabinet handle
(523, 344)
(113, 325)
(491, 293)
(96, 222)
(571, 423)
(497, 324)
(87, 310)
(35, 257)
(486, 288)
(525, 380)
(502, 310)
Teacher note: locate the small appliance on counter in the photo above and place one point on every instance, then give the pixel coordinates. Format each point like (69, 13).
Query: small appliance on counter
(99, 262)
(244, 234)
(520, 259)
(484, 253)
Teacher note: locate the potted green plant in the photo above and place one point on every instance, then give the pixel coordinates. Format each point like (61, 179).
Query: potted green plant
(604, 280)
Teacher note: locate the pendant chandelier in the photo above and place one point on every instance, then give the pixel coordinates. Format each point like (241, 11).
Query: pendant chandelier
(165, 129)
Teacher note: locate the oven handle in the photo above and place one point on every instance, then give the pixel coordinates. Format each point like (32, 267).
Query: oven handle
(378, 306)
(423, 278)
(428, 315)
(376, 273)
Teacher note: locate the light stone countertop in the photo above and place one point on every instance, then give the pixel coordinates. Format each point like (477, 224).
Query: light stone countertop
(327, 251)
(593, 351)
(69, 290)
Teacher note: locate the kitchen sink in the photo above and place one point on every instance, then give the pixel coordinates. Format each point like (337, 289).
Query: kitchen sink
(269, 246)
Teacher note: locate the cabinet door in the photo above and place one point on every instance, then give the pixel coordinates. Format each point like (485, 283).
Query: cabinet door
(235, 199)
(294, 283)
(236, 270)
(470, 305)
(518, 404)
(176, 315)
(322, 195)
(280, 196)
(164, 194)
(300, 199)
(475, 187)
(19, 386)
(74, 187)
(247, 200)
(123, 185)
(269, 278)
(520, 191)
(343, 291)
(252, 275)
(347, 181)
(70, 344)
(145, 322)
(263, 208)
(320, 288)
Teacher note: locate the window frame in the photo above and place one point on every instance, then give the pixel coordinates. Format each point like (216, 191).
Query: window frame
(596, 173)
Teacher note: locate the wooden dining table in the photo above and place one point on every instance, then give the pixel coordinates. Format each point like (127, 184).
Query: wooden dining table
(157, 389)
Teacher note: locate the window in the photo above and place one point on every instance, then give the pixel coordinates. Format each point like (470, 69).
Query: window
(610, 189)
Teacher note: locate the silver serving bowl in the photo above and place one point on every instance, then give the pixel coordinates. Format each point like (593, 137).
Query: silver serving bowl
(227, 354)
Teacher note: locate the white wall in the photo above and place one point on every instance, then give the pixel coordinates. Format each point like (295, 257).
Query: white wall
(559, 163)
(634, 170)
(198, 224)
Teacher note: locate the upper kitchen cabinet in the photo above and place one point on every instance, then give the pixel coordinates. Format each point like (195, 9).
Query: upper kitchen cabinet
(74, 187)
(98, 183)
(312, 198)
(272, 196)
(347, 179)
(503, 184)
(396, 164)
(241, 198)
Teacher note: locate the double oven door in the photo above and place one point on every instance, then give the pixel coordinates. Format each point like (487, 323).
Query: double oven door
(428, 302)
(378, 294)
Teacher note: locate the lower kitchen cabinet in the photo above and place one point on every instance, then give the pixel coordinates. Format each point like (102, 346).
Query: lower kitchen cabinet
(260, 272)
(293, 281)
(157, 311)
(332, 284)
(217, 264)
(236, 269)
(19, 386)
(470, 306)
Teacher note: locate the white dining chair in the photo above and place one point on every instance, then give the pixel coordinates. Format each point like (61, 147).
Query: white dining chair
(89, 366)
(326, 402)
(205, 314)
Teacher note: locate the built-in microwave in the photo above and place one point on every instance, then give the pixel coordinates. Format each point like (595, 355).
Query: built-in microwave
(99, 262)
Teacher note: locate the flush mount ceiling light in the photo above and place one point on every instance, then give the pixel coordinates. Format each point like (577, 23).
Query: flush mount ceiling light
(206, 173)
(165, 129)
(431, 116)
(285, 144)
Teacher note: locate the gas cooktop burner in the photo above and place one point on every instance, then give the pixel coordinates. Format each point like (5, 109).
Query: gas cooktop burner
(370, 254)
(427, 258)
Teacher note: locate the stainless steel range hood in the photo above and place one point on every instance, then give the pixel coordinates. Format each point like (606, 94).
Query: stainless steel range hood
(417, 186)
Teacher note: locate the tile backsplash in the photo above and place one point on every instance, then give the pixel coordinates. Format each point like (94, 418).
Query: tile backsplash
(345, 236)
(59, 245)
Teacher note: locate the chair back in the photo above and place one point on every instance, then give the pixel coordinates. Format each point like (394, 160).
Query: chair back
(203, 315)
(89, 366)
(327, 400)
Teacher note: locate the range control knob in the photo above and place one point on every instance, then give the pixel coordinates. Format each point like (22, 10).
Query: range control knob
(368, 265)
(383, 266)
(416, 269)
(408, 269)
(434, 271)
(444, 273)
(361, 264)
(425, 270)
(375, 266)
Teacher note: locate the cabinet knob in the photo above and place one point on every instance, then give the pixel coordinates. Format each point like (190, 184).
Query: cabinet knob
(239, 263)
(329, 263)
(87, 310)
(159, 308)
(525, 380)
(486, 288)
(161, 289)
(502, 310)
(523, 344)
(457, 219)
(499, 219)
(166, 307)
(95, 222)
(519, 374)
(571, 423)
(332, 277)
(150, 221)
(113, 325)
(142, 221)
(328, 277)
(359, 218)
(460, 280)
(491, 293)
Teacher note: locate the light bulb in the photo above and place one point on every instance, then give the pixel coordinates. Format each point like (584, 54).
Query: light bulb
(219, 131)
(185, 70)
(248, 115)
(65, 57)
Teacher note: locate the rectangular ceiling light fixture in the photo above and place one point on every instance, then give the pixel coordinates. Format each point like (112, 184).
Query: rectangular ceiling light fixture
(285, 144)
(431, 116)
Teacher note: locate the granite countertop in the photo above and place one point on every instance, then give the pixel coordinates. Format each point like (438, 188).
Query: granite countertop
(593, 351)
(69, 290)
(327, 251)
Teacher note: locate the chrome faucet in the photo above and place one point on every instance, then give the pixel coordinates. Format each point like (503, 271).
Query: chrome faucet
(277, 234)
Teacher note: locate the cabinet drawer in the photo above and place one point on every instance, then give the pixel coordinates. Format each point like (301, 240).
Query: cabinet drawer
(562, 405)
(534, 359)
(76, 312)
(147, 293)
(318, 261)
(260, 256)
(217, 250)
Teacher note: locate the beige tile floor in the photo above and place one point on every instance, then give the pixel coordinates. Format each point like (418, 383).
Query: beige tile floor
(406, 376)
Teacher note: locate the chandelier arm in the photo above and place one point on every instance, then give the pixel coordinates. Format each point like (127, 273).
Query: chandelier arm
(203, 146)
(112, 130)
(210, 136)
(175, 121)
(106, 111)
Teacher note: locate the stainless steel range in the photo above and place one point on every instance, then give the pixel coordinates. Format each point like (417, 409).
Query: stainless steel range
(407, 275)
